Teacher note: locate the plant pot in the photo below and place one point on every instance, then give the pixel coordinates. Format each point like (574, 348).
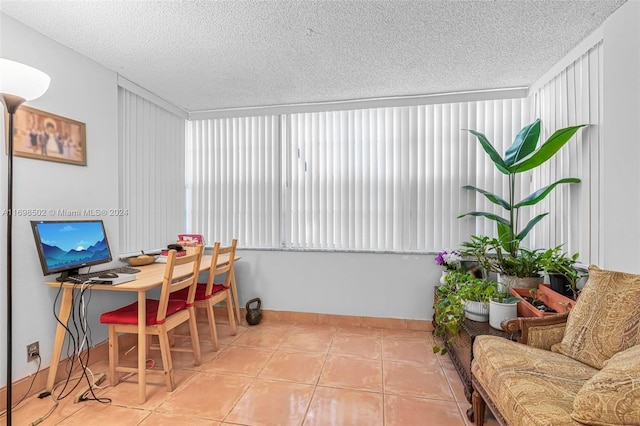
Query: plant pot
(560, 284)
(443, 277)
(499, 312)
(476, 311)
(511, 281)
(549, 297)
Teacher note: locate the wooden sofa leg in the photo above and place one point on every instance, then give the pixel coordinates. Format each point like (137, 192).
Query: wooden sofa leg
(479, 406)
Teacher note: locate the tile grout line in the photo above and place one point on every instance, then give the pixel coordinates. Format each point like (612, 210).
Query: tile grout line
(315, 386)
(253, 378)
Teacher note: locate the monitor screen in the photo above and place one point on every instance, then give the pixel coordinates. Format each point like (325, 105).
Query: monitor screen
(66, 246)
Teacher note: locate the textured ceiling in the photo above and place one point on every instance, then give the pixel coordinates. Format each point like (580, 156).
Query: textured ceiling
(204, 55)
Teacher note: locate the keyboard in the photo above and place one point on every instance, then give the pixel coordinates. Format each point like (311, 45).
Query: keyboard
(85, 277)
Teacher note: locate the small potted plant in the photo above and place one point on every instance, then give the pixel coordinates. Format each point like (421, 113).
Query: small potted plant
(450, 260)
(448, 312)
(502, 307)
(563, 277)
(521, 271)
(462, 296)
(476, 293)
(479, 247)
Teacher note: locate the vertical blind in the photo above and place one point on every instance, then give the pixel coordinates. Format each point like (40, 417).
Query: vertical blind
(389, 179)
(570, 98)
(152, 158)
(233, 175)
(382, 179)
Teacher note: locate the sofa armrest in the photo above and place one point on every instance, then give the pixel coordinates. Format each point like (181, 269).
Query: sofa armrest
(539, 332)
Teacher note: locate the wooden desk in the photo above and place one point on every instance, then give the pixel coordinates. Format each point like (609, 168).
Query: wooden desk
(148, 278)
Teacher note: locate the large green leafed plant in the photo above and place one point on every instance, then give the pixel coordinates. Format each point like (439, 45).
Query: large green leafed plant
(523, 155)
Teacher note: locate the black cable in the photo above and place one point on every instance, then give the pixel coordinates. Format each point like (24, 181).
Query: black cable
(30, 386)
(77, 333)
(71, 345)
(68, 332)
(86, 329)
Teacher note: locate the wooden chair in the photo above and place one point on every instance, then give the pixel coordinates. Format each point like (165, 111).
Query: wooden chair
(162, 316)
(209, 294)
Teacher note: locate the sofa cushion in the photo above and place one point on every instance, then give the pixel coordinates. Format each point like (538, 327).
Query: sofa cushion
(612, 396)
(604, 320)
(529, 386)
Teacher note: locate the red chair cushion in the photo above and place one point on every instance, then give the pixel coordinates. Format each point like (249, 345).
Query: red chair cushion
(129, 314)
(200, 292)
(217, 288)
(184, 293)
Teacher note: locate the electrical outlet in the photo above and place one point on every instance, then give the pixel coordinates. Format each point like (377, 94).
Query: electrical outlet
(33, 350)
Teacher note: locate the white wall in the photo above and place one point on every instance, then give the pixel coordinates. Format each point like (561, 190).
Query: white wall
(84, 91)
(620, 156)
(361, 284)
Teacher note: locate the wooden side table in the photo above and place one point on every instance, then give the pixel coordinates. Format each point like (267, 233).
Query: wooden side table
(460, 350)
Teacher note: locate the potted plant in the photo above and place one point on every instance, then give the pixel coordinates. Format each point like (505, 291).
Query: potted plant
(521, 156)
(563, 277)
(475, 293)
(521, 271)
(462, 296)
(448, 312)
(502, 307)
(450, 260)
(478, 247)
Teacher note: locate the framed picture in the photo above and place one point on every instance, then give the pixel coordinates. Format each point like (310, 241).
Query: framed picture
(44, 136)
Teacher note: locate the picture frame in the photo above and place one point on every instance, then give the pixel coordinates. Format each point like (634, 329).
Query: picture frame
(41, 135)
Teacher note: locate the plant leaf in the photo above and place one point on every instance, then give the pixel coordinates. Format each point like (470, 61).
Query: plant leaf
(546, 150)
(504, 232)
(538, 195)
(506, 237)
(491, 151)
(524, 143)
(495, 199)
(490, 216)
(530, 225)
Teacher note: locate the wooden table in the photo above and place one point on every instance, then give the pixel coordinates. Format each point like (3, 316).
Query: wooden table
(148, 278)
(460, 349)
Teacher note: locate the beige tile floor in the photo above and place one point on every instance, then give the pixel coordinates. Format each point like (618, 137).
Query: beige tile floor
(281, 373)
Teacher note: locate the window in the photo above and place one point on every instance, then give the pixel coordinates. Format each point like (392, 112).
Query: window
(390, 178)
(380, 179)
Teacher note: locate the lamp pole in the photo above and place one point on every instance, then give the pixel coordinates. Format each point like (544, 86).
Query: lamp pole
(18, 83)
(11, 103)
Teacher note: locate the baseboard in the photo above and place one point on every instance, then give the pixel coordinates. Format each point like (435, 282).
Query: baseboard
(330, 319)
(101, 351)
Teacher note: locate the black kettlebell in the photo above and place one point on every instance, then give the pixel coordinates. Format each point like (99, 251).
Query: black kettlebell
(254, 315)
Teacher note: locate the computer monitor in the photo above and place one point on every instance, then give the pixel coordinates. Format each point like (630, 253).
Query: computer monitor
(67, 245)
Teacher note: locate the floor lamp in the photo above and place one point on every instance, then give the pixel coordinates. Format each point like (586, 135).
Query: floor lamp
(18, 83)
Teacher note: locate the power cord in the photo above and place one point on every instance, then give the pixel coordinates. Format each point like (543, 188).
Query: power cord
(79, 334)
(4, 412)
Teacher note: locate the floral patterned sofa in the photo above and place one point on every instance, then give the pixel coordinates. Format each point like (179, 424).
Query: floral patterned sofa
(571, 369)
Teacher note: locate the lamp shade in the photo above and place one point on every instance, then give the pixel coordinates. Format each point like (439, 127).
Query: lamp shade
(21, 80)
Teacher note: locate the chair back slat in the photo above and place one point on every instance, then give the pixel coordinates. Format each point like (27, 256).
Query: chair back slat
(225, 268)
(171, 284)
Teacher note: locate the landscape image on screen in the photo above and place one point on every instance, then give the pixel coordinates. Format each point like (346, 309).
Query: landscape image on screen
(72, 243)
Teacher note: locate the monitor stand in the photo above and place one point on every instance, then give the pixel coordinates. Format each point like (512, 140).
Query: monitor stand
(63, 276)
